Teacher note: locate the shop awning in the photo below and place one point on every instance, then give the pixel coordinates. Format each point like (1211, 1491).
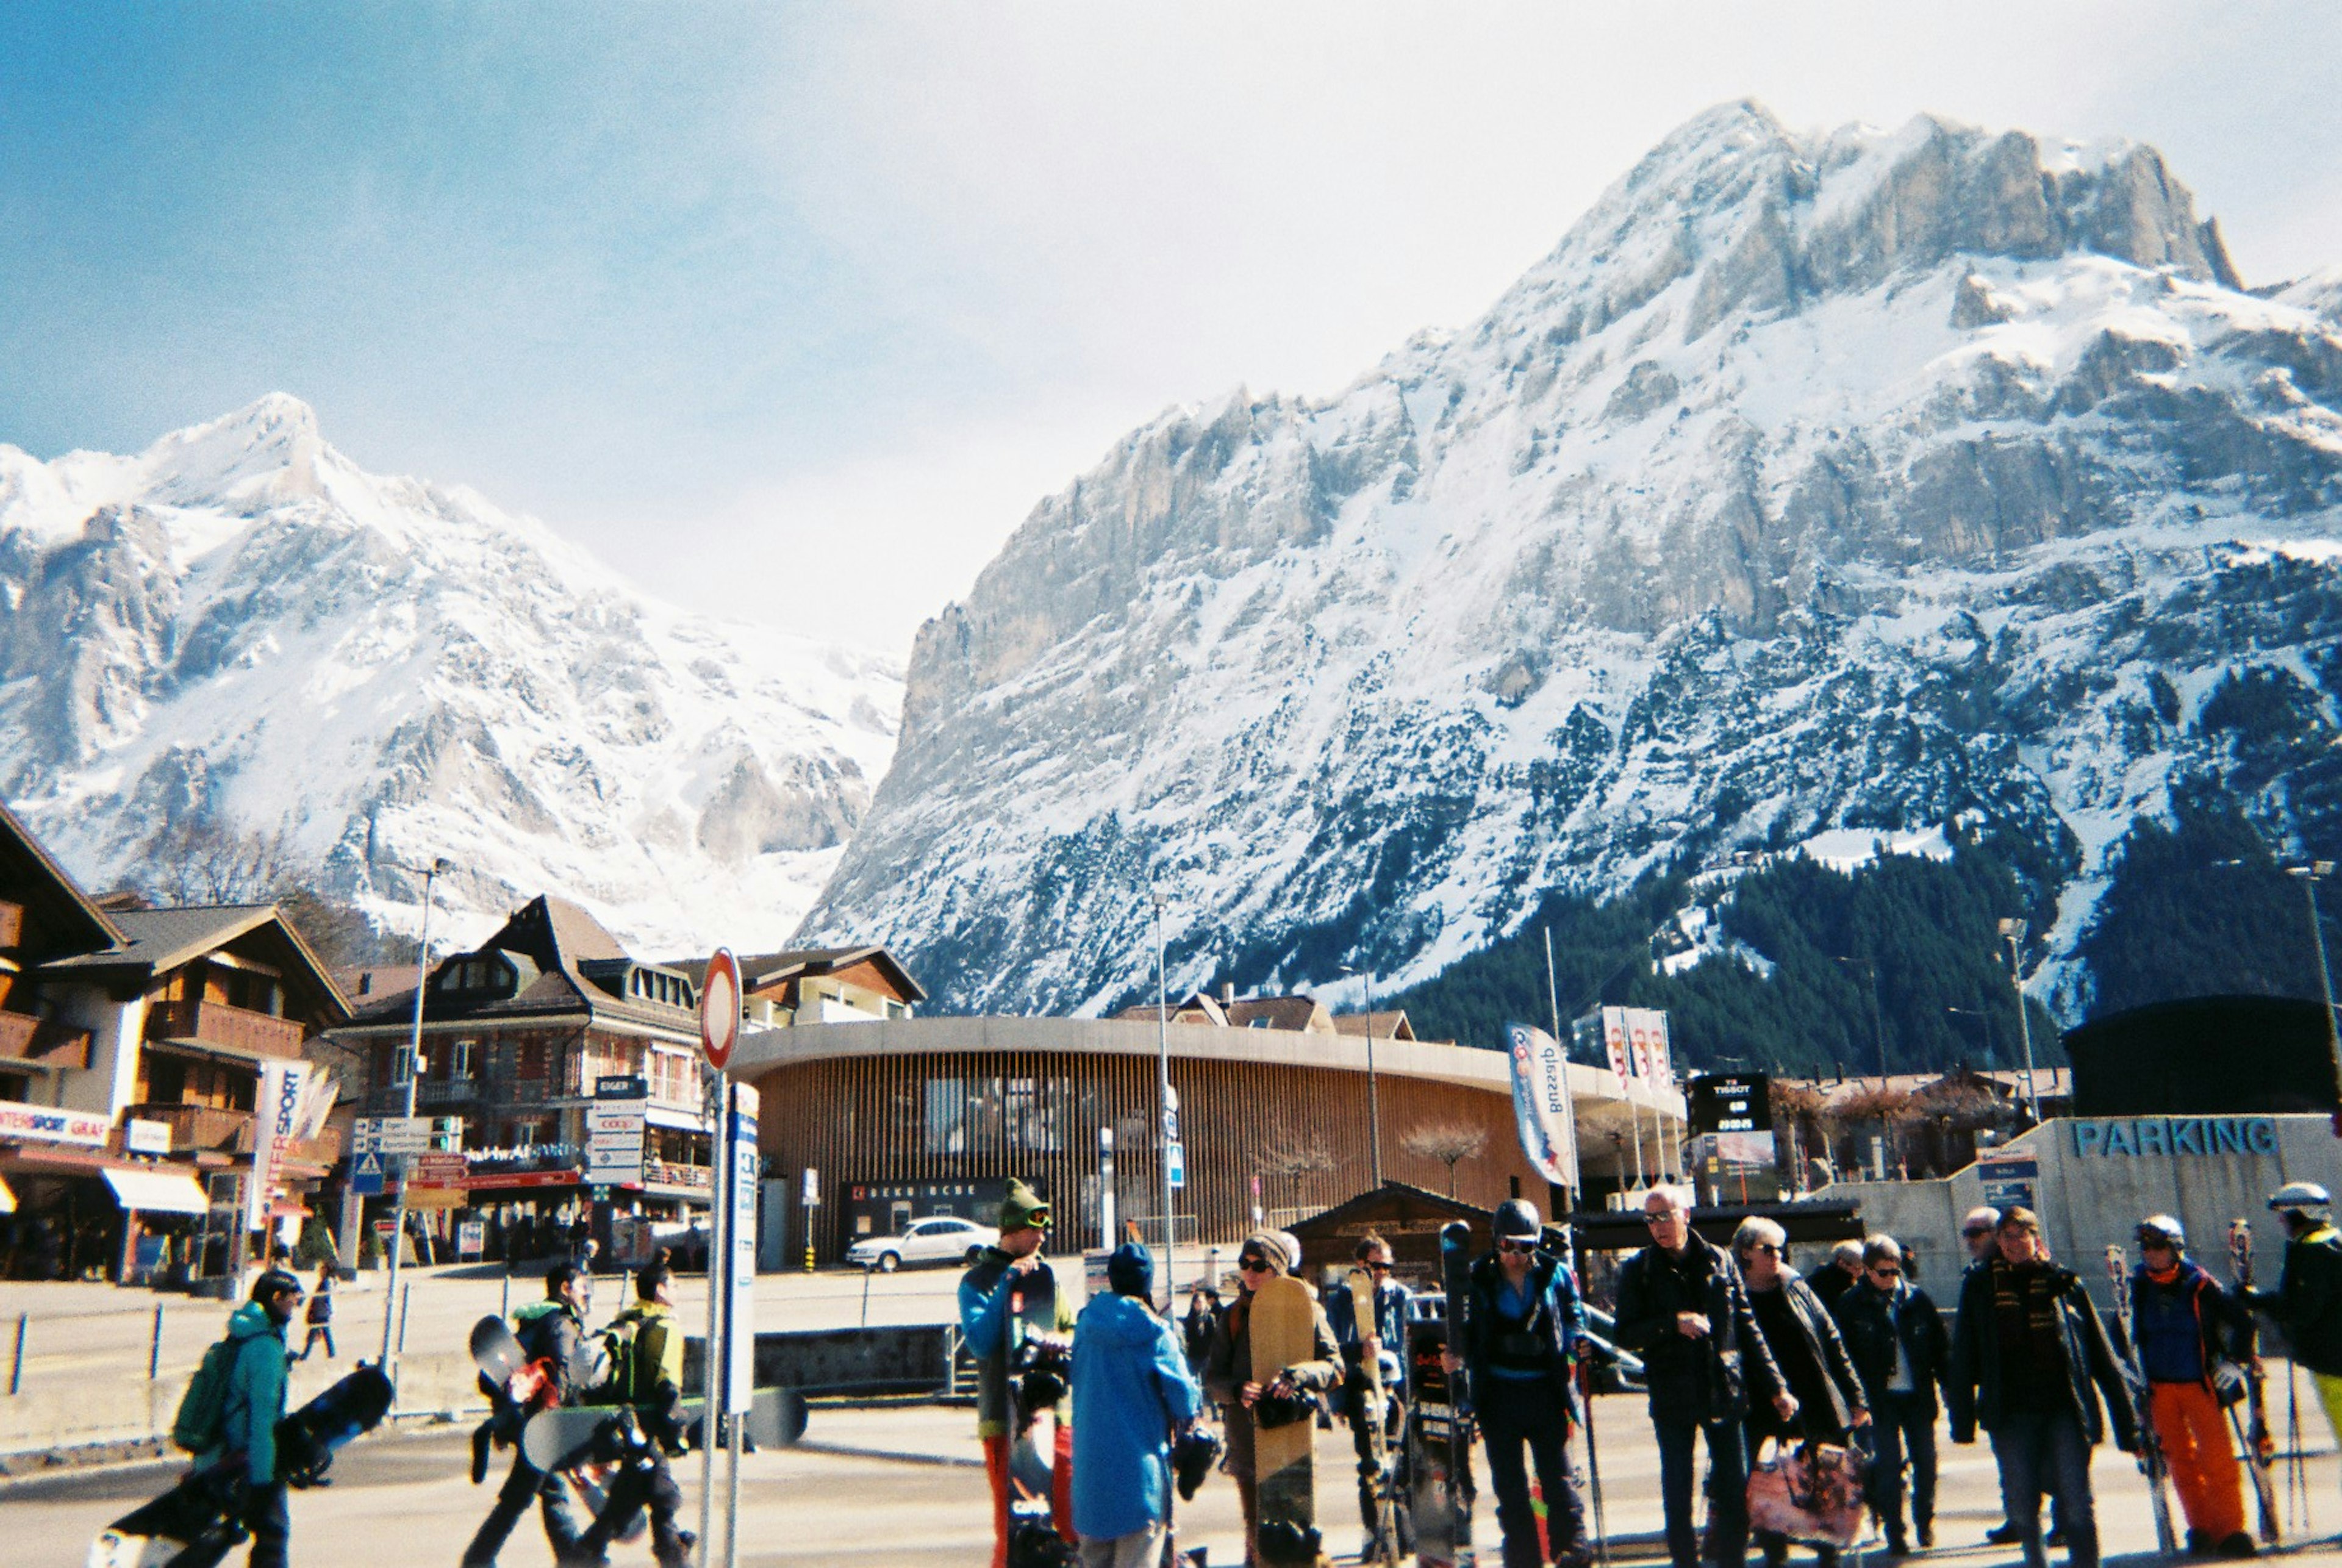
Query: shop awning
(7, 1198)
(156, 1192)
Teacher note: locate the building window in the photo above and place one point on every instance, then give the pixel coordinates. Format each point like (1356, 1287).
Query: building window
(459, 1060)
(402, 1064)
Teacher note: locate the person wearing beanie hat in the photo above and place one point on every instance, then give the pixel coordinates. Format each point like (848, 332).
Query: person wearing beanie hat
(252, 1405)
(1227, 1368)
(2185, 1326)
(1132, 1390)
(986, 1291)
(1523, 1333)
(2307, 1300)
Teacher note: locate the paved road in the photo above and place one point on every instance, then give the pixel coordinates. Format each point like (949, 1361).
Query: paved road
(404, 1499)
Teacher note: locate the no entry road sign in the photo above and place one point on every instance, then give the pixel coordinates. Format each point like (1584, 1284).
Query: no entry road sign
(719, 1008)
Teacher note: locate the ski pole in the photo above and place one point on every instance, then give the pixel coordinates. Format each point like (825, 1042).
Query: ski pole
(1594, 1467)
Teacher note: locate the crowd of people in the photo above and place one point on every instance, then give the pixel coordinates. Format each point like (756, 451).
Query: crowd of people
(1741, 1357)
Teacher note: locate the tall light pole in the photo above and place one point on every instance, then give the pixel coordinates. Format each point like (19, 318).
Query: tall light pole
(1374, 1098)
(2310, 876)
(1162, 1067)
(1878, 1035)
(414, 1067)
(2012, 931)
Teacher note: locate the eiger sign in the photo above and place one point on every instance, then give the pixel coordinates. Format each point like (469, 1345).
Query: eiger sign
(2177, 1136)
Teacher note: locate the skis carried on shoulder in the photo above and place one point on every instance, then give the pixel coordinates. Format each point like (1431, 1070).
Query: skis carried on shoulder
(2151, 1461)
(1456, 1284)
(2254, 1439)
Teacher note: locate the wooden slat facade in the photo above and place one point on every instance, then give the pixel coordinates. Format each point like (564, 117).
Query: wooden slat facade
(974, 1117)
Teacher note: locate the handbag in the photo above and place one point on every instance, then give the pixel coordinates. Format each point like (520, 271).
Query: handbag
(1812, 1492)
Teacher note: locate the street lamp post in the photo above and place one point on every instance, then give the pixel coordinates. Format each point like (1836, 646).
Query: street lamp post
(1163, 1068)
(1878, 1035)
(414, 1067)
(1374, 1098)
(2012, 931)
(2310, 876)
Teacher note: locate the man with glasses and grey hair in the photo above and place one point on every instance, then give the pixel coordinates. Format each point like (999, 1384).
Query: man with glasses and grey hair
(1902, 1354)
(1683, 1307)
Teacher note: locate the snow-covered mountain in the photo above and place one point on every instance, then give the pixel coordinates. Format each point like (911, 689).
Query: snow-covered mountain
(238, 635)
(1814, 483)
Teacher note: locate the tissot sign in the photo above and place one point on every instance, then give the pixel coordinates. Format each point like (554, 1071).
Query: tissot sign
(2134, 1137)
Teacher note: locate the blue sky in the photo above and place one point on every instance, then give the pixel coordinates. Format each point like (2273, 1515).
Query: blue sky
(837, 291)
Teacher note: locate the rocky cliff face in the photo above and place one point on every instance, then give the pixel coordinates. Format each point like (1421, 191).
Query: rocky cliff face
(237, 635)
(1865, 480)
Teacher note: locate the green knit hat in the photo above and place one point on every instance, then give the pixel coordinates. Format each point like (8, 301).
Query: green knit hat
(1023, 1208)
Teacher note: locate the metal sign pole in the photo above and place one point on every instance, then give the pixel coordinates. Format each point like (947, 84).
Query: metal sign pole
(413, 1070)
(719, 1148)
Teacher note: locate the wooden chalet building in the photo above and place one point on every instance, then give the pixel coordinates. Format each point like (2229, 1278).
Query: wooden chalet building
(133, 1044)
(515, 1033)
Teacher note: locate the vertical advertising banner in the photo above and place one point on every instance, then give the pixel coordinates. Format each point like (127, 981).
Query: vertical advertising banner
(275, 1116)
(1648, 1027)
(740, 1237)
(1616, 1042)
(1541, 1107)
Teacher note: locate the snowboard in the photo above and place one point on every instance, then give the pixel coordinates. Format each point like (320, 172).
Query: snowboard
(1039, 1370)
(1430, 1455)
(569, 1435)
(1282, 1329)
(1373, 1397)
(194, 1524)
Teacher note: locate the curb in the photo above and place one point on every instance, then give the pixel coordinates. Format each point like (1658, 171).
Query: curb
(897, 1456)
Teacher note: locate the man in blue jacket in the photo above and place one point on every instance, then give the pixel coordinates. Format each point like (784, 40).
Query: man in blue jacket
(254, 1404)
(1131, 1389)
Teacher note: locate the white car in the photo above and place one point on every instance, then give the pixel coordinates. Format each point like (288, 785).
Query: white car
(938, 1239)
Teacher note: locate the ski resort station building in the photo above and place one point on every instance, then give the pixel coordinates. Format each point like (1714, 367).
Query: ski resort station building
(136, 1048)
(896, 1119)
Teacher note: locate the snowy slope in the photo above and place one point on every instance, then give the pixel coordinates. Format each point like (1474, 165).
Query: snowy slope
(1848, 481)
(237, 627)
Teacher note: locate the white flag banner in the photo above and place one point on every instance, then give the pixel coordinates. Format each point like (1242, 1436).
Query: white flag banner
(1653, 1060)
(1541, 1105)
(275, 1117)
(1617, 1041)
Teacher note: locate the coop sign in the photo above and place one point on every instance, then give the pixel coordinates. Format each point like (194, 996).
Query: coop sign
(2177, 1136)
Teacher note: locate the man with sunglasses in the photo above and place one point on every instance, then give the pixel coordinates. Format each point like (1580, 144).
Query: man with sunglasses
(1359, 1341)
(1684, 1308)
(1903, 1355)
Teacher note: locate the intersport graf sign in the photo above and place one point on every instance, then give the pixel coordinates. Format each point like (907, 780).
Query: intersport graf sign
(2211, 1136)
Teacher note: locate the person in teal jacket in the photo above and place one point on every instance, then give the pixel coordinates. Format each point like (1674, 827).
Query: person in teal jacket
(1131, 1388)
(254, 1404)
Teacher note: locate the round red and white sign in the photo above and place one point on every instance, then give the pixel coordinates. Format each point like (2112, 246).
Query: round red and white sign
(719, 1008)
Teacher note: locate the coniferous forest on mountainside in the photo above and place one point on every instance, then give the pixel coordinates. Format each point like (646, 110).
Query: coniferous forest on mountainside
(2197, 907)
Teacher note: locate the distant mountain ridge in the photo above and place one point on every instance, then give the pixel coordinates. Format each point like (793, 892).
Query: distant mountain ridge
(237, 634)
(1858, 480)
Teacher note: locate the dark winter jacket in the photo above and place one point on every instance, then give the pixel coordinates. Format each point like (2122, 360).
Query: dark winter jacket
(1546, 1342)
(551, 1331)
(2307, 1303)
(2184, 1328)
(1711, 1378)
(1977, 1392)
(1872, 1319)
(255, 1392)
(1821, 1347)
(1830, 1282)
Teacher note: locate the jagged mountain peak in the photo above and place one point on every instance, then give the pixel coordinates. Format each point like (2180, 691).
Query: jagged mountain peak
(1866, 478)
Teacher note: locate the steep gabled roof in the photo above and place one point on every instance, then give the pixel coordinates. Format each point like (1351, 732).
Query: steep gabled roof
(157, 941)
(558, 941)
(70, 921)
(764, 971)
(1381, 1026)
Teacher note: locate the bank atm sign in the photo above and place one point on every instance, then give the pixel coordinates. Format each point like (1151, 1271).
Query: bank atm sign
(2177, 1136)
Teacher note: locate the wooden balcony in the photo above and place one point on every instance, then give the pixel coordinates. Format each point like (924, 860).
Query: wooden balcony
(42, 1041)
(199, 1127)
(216, 1023)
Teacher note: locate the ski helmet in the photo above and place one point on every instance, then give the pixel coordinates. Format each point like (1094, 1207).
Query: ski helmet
(1516, 1221)
(2162, 1230)
(2307, 1199)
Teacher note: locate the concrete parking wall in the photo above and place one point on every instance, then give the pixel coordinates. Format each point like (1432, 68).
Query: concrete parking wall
(2206, 1171)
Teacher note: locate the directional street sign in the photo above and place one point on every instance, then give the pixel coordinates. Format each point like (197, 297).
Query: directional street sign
(1177, 1158)
(403, 1134)
(614, 1133)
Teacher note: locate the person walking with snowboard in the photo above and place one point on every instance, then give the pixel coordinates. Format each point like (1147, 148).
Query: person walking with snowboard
(1896, 1339)
(2030, 1359)
(1131, 1389)
(1358, 1341)
(986, 1295)
(1683, 1307)
(646, 1363)
(1523, 1333)
(1803, 1338)
(2307, 1300)
(2185, 1326)
(252, 1404)
(1227, 1370)
(552, 1331)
